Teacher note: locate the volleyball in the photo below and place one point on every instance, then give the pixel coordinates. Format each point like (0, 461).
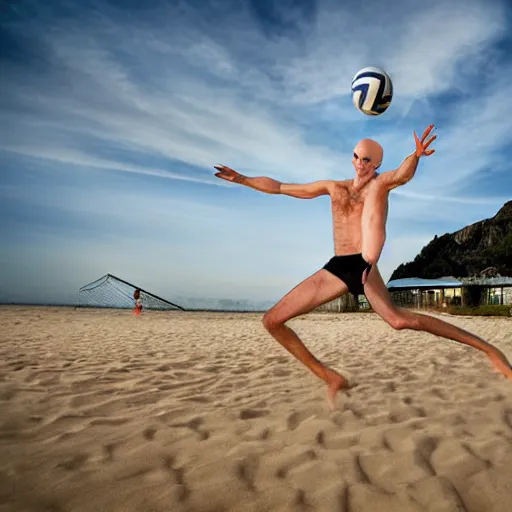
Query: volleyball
(372, 91)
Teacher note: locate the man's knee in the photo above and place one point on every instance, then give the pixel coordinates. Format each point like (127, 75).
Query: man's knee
(399, 320)
(271, 320)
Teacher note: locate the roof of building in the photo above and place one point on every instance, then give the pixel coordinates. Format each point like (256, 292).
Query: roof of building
(488, 281)
(416, 282)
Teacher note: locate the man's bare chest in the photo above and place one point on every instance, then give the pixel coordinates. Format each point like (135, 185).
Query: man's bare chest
(348, 201)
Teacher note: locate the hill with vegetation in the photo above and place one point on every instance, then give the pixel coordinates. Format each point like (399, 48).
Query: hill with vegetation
(484, 247)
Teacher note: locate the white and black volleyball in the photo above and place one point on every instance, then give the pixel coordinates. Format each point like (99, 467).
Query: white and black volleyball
(372, 91)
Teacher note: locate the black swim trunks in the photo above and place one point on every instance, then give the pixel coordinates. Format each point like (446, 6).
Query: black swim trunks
(350, 270)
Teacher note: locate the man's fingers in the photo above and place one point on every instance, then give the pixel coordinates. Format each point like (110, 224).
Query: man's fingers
(419, 147)
(422, 146)
(426, 132)
(224, 176)
(427, 144)
(223, 168)
(228, 176)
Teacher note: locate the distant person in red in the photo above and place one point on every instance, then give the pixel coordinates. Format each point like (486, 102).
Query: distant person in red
(138, 302)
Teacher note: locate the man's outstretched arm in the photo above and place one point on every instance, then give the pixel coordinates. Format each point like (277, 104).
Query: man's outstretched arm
(402, 174)
(271, 186)
(407, 169)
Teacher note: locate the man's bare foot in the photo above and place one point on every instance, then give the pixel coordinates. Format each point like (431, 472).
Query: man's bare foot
(501, 365)
(335, 383)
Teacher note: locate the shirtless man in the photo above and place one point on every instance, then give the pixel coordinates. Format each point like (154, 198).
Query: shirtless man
(359, 212)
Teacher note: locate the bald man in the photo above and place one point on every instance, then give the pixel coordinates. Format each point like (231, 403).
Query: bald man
(359, 213)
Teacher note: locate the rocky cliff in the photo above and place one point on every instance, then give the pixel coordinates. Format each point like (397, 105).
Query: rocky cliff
(482, 247)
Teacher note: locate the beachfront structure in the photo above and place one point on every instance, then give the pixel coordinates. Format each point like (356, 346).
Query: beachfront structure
(424, 293)
(451, 291)
(410, 292)
(414, 292)
(489, 290)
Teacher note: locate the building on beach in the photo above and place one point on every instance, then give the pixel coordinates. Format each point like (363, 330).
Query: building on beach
(413, 292)
(451, 291)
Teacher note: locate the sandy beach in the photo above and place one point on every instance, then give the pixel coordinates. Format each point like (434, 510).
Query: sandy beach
(106, 411)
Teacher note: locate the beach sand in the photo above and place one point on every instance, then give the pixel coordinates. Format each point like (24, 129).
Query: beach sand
(106, 411)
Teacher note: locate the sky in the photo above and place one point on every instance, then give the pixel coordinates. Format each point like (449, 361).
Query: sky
(113, 114)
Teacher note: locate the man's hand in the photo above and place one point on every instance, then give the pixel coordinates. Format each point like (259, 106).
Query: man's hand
(228, 174)
(423, 144)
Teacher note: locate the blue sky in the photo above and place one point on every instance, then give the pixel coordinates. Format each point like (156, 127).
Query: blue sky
(112, 116)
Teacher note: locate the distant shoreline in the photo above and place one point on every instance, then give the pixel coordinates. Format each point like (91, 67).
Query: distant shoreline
(464, 312)
(72, 306)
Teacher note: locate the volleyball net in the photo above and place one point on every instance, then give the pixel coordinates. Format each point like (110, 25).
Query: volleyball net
(110, 291)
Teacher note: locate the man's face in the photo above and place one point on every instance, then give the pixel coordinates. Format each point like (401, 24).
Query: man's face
(366, 157)
(361, 162)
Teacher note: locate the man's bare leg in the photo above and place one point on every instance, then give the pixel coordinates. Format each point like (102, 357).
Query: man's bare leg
(291, 342)
(316, 290)
(380, 300)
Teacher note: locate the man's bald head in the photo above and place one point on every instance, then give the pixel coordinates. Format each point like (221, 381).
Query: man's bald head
(369, 149)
